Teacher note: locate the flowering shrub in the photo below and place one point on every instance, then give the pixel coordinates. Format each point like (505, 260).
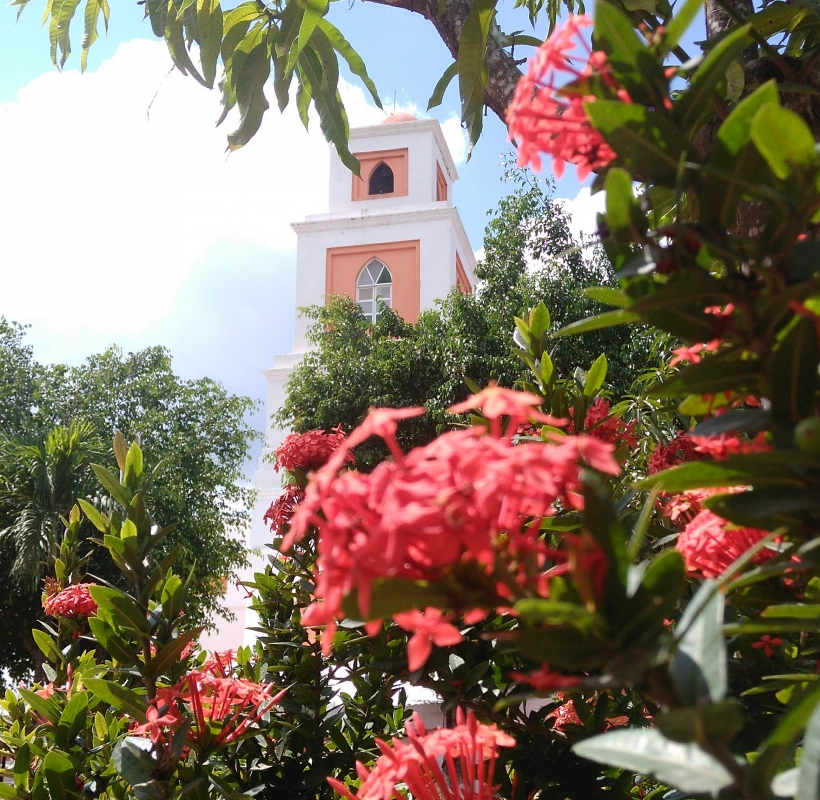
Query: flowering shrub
(308, 451)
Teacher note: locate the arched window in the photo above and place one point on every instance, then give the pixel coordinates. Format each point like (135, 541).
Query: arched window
(381, 180)
(374, 281)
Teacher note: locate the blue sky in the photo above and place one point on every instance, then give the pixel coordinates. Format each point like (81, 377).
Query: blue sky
(122, 220)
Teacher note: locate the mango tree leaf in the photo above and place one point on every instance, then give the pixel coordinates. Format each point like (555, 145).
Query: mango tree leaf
(90, 19)
(210, 20)
(250, 69)
(313, 13)
(62, 12)
(712, 375)
(441, 86)
(472, 66)
(353, 59)
(648, 751)
(698, 667)
(175, 40)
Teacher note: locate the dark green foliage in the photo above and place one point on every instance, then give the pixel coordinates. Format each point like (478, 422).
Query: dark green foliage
(194, 427)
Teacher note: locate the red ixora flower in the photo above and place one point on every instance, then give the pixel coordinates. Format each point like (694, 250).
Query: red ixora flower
(309, 451)
(767, 644)
(602, 424)
(725, 445)
(547, 118)
(73, 601)
(710, 545)
(467, 496)
(545, 680)
(679, 450)
(429, 627)
(281, 510)
(444, 764)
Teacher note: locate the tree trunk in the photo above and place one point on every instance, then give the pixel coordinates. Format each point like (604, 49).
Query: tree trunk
(503, 71)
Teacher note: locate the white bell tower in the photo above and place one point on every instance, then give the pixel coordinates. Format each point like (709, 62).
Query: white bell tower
(392, 233)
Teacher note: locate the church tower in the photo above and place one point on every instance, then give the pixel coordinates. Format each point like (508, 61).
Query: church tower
(393, 234)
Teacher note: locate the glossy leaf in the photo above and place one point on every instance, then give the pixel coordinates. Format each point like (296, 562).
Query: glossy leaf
(794, 373)
(441, 86)
(472, 65)
(648, 751)
(784, 140)
(59, 775)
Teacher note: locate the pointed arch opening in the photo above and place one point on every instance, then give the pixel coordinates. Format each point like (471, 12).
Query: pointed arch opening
(375, 282)
(381, 180)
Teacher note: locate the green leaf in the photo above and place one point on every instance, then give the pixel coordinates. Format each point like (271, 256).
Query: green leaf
(624, 218)
(170, 653)
(175, 40)
(596, 376)
(637, 70)
(22, 767)
(391, 595)
(648, 751)
(767, 507)
(47, 645)
(808, 784)
(120, 609)
(112, 485)
(59, 774)
(90, 18)
(95, 517)
(210, 21)
(699, 665)
(712, 375)
(648, 142)
(784, 140)
(703, 85)
(62, 12)
(44, 706)
(120, 698)
(313, 13)
(250, 68)
(680, 23)
(116, 646)
(472, 65)
(720, 722)
(441, 87)
(608, 295)
(72, 720)
(789, 728)
(353, 59)
(133, 760)
(793, 368)
(605, 320)
(705, 474)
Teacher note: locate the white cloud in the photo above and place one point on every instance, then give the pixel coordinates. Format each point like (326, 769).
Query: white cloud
(456, 138)
(582, 210)
(117, 187)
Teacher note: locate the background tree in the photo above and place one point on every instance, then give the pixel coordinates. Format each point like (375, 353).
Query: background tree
(529, 257)
(194, 427)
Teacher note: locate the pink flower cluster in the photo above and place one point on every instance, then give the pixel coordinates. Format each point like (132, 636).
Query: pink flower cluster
(678, 451)
(281, 510)
(221, 709)
(445, 764)
(470, 495)
(547, 118)
(309, 451)
(73, 601)
(710, 545)
(601, 423)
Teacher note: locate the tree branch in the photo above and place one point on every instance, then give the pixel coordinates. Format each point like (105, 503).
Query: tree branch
(503, 71)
